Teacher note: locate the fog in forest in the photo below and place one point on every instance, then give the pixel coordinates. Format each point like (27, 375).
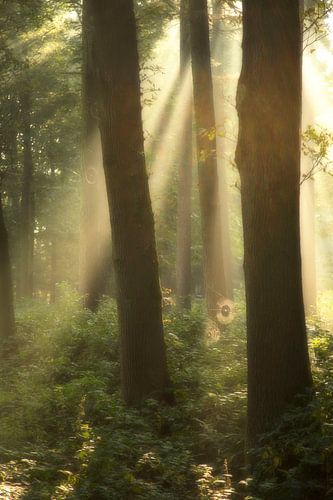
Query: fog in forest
(166, 251)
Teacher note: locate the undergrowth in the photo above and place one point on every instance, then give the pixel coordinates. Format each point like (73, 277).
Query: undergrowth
(64, 433)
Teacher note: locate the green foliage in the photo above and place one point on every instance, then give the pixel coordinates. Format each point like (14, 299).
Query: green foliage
(295, 460)
(74, 439)
(65, 433)
(291, 461)
(316, 145)
(314, 26)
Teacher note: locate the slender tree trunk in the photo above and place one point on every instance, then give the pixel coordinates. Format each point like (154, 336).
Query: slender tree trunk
(206, 152)
(183, 252)
(268, 158)
(143, 357)
(14, 192)
(52, 230)
(218, 42)
(13, 154)
(27, 202)
(94, 247)
(7, 321)
(54, 269)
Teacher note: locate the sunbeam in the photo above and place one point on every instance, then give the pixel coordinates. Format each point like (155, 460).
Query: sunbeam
(166, 152)
(315, 192)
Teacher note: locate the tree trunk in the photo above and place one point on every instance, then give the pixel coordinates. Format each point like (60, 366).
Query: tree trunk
(54, 269)
(14, 191)
(94, 236)
(268, 158)
(53, 239)
(27, 203)
(219, 40)
(7, 321)
(215, 283)
(143, 357)
(183, 251)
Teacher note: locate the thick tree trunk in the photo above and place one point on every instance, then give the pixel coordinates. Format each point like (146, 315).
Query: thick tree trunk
(206, 152)
(268, 158)
(183, 252)
(27, 203)
(7, 322)
(94, 236)
(143, 357)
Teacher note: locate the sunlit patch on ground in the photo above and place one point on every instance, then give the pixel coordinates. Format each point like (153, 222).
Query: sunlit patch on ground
(325, 308)
(11, 491)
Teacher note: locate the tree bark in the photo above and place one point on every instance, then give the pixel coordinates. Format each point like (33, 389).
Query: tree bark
(268, 158)
(27, 202)
(13, 188)
(183, 251)
(143, 357)
(219, 41)
(94, 236)
(215, 283)
(54, 269)
(53, 239)
(7, 321)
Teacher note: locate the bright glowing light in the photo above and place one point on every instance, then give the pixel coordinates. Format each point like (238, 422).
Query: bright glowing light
(168, 150)
(329, 23)
(164, 118)
(316, 195)
(71, 16)
(97, 231)
(44, 41)
(164, 80)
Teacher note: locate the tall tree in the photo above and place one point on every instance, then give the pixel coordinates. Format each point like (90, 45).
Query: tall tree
(183, 255)
(268, 158)
(27, 201)
(206, 153)
(94, 250)
(220, 42)
(143, 357)
(7, 322)
(53, 237)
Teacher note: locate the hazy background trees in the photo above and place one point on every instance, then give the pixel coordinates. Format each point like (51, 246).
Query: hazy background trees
(159, 79)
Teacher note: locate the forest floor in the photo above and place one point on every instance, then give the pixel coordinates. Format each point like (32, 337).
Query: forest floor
(11, 491)
(66, 435)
